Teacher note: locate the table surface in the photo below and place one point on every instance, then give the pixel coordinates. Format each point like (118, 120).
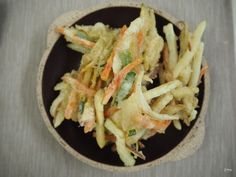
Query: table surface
(26, 146)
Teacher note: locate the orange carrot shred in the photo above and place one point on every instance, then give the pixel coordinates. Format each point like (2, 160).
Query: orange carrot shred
(161, 125)
(140, 39)
(99, 84)
(71, 106)
(110, 111)
(105, 73)
(118, 78)
(78, 86)
(107, 69)
(203, 72)
(145, 121)
(76, 39)
(59, 30)
(110, 138)
(137, 70)
(88, 126)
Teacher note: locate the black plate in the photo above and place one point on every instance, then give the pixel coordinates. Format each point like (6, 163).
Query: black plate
(62, 60)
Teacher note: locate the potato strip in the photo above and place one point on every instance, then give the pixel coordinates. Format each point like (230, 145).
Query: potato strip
(196, 65)
(172, 46)
(188, 55)
(162, 89)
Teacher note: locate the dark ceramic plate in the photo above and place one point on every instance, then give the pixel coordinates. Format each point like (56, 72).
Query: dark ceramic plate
(59, 59)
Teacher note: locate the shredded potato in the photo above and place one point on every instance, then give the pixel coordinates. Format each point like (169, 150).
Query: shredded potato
(185, 75)
(162, 89)
(181, 92)
(188, 55)
(171, 41)
(100, 131)
(109, 94)
(123, 152)
(197, 60)
(161, 102)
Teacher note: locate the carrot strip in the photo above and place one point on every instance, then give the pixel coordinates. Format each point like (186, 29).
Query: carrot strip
(110, 111)
(137, 70)
(133, 89)
(99, 84)
(145, 121)
(76, 39)
(78, 86)
(118, 78)
(141, 145)
(161, 125)
(140, 39)
(110, 138)
(60, 30)
(71, 105)
(89, 125)
(107, 69)
(203, 72)
(122, 31)
(105, 73)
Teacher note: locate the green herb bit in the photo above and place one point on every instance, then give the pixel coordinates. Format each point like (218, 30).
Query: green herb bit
(132, 132)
